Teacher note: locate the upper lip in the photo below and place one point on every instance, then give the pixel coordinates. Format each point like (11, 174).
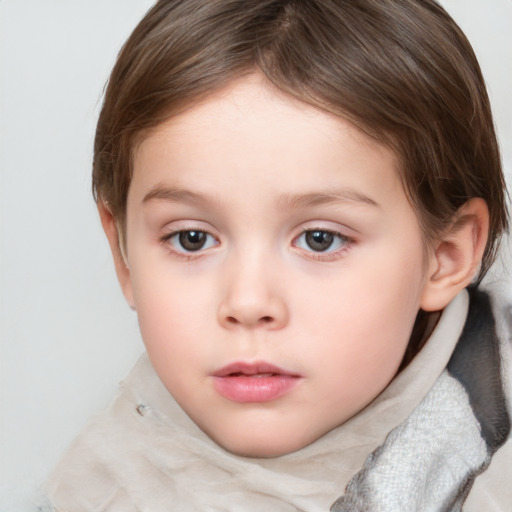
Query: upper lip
(255, 368)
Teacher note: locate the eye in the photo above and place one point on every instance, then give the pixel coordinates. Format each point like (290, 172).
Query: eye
(320, 240)
(190, 240)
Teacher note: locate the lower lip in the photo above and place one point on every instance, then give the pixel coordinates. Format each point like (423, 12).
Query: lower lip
(248, 388)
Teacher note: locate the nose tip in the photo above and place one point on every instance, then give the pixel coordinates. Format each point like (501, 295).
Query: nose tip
(256, 306)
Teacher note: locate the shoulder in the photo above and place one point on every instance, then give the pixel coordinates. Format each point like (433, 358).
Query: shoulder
(86, 476)
(454, 447)
(89, 474)
(492, 490)
(480, 364)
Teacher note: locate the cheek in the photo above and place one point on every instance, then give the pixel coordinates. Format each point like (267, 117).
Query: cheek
(169, 325)
(171, 308)
(356, 358)
(364, 318)
(371, 295)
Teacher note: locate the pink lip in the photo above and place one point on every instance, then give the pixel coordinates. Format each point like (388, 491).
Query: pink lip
(253, 382)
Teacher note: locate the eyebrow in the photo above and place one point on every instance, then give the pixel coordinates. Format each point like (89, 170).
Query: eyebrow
(298, 201)
(174, 195)
(285, 201)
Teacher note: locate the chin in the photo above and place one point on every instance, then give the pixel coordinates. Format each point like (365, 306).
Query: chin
(260, 446)
(259, 451)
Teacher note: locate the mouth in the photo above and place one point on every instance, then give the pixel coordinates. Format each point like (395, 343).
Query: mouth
(254, 382)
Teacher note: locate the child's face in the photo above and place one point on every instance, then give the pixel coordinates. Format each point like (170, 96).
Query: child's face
(275, 264)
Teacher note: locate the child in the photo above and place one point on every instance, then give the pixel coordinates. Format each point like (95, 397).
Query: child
(297, 195)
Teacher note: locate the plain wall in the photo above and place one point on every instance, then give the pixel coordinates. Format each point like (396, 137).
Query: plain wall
(66, 335)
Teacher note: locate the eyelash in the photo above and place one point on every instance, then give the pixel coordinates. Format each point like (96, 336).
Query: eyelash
(328, 254)
(321, 255)
(185, 254)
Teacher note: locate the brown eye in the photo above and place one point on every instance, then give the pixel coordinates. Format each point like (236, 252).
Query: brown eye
(189, 241)
(319, 241)
(192, 240)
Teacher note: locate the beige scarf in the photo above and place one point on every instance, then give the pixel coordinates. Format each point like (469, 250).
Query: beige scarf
(144, 453)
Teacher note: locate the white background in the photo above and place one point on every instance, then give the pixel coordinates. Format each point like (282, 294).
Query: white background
(66, 335)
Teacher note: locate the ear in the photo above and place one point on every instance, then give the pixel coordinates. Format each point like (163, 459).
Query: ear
(110, 228)
(456, 257)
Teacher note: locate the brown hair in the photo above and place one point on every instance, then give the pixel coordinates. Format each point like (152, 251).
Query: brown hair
(401, 70)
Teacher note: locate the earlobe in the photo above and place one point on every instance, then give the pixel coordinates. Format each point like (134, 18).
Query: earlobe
(456, 258)
(111, 230)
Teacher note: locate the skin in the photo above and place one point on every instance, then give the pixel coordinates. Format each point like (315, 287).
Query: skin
(257, 171)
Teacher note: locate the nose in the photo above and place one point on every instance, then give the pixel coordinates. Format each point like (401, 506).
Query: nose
(252, 297)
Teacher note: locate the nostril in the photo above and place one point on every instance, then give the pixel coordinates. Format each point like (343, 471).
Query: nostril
(263, 320)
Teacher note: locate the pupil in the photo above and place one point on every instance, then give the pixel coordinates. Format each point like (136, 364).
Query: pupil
(319, 240)
(192, 240)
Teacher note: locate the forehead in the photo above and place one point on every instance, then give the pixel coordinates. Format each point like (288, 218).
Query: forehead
(251, 124)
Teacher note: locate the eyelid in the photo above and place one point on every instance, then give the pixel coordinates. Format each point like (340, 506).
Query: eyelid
(348, 241)
(173, 229)
(335, 228)
(179, 225)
